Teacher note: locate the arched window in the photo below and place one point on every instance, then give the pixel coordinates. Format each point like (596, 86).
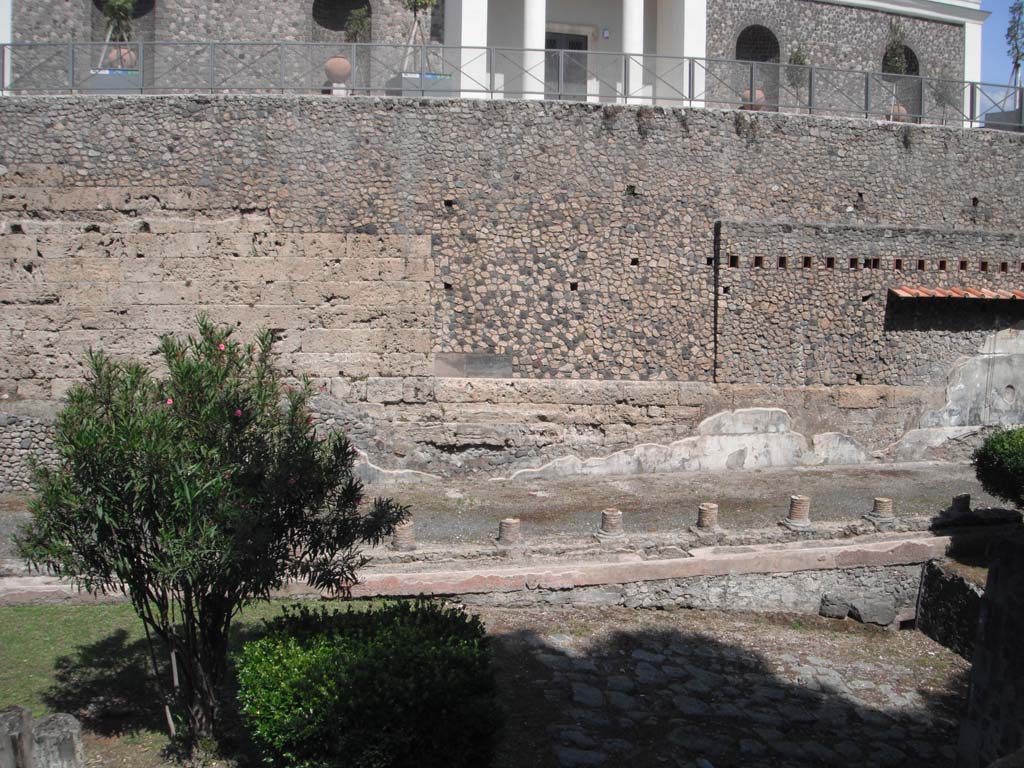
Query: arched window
(335, 20)
(757, 43)
(900, 73)
(900, 60)
(758, 84)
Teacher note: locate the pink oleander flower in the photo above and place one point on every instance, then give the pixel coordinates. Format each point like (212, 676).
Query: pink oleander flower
(291, 481)
(170, 401)
(221, 347)
(238, 413)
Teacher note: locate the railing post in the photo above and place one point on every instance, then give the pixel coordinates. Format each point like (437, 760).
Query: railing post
(353, 60)
(972, 108)
(3, 69)
(691, 80)
(423, 55)
(490, 70)
(1020, 108)
(142, 68)
(750, 93)
(561, 74)
(71, 68)
(213, 73)
(625, 78)
(810, 90)
(280, 66)
(867, 95)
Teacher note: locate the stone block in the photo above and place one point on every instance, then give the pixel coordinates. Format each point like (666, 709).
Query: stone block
(873, 610)
(472, 365)
(834, 607)
(384, 390)
(57, 742)
(864, 397)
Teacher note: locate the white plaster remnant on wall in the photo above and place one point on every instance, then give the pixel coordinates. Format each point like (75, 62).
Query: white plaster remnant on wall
(747, 438)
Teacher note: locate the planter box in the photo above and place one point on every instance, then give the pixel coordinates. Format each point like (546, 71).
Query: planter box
(112, 81)
(415, 84)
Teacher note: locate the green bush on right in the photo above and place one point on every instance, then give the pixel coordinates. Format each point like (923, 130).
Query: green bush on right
(409, 684)
(999, 465)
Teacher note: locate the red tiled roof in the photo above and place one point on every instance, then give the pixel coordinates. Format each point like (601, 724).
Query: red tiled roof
(918, 292)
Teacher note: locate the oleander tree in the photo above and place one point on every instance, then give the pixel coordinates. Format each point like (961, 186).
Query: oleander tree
(196, 493)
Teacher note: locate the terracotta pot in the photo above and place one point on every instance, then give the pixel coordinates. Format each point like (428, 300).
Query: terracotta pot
(122, 57)
(758, 103)
(899, 114)
(337, 69)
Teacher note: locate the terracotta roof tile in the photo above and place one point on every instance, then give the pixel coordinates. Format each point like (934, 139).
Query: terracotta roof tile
(967, 292)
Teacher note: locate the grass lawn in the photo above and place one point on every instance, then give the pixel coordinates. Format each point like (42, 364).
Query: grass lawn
(93, 662)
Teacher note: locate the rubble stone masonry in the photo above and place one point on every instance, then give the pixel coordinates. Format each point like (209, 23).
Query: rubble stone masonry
(490, 285)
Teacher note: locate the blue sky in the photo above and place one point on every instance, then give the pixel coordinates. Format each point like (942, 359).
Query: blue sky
(995, 64)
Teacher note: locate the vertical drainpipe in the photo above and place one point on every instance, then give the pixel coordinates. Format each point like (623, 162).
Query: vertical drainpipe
(714, 332)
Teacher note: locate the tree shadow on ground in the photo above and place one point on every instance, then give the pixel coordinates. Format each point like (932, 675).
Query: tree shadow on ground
(110, 686)
(671, 698)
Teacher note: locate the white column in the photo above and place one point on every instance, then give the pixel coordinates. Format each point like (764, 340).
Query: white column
(671, 87)
(6, 36)
(535, 19)
(633, 49)
(972, 63)
(465, 41)
(695, 45)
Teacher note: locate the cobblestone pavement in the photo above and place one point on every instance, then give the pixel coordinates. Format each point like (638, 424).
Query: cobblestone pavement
(616, 687)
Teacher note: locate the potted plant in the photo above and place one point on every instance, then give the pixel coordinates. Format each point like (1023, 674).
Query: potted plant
(117, 69)
(798, 73)
(118, 51)
(338, 68)
(416, 78)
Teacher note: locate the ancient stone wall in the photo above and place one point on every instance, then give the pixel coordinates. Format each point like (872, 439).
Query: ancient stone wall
(948, 607)
(993, 727)
(832, 35)
(491, 286)
(204, 20)
(800, 592)
(810, 304)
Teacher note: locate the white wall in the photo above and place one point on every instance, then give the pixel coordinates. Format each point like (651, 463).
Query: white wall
(505, 29)
(6, 36)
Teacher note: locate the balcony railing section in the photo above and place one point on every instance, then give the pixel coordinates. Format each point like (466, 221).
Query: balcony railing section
(438, 71)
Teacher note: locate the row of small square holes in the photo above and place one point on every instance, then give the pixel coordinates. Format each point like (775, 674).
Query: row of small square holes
(830, 263)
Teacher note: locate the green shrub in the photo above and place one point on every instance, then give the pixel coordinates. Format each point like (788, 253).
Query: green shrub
(403, 685)
(999, 465)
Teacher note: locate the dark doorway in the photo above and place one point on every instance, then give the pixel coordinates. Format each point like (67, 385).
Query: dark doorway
(565, 68)
(758, 83)
(901, 74)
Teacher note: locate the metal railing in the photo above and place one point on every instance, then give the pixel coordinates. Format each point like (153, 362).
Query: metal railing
(499, 73)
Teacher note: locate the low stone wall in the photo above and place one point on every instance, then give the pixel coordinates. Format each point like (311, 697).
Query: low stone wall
(993, 726)
(894, 586)
(948, 607)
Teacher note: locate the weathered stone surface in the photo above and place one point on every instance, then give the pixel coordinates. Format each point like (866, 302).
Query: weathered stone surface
(834, 607)
(367, 276)
(992, 727)
(873, 610)
(948, 607)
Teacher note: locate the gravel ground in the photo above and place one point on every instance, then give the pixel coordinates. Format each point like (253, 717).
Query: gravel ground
(461, 511)
(610, 687)
(467, 511)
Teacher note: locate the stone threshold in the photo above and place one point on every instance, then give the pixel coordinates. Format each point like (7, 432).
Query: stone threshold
(891, 549)
(702, 561)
